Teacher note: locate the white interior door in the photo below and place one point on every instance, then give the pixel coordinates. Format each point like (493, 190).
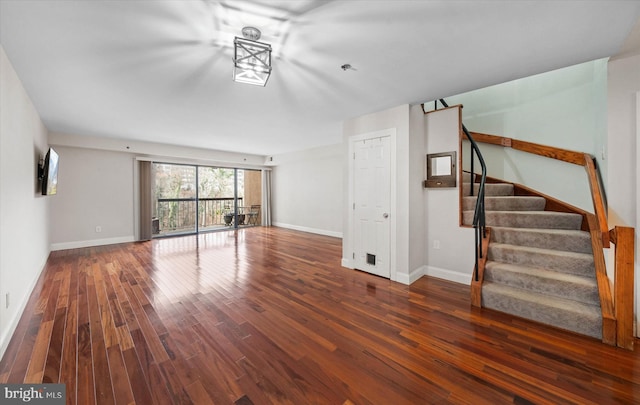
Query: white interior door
(372, 195)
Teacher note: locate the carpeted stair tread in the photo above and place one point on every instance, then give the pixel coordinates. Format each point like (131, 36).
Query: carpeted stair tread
(559, 312)
(580, 264)
(539, 264)
(556, 239)
(555, 283)
(528, 219)
(506, 203)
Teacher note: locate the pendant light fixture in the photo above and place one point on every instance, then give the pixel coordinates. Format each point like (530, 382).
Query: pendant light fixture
(252, 59)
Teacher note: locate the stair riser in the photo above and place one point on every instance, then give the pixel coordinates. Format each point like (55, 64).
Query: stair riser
(490, 189)
(581, 265)
(587, 294)
(537, 311)
(573, 242)
(466, 177)
(524, 219)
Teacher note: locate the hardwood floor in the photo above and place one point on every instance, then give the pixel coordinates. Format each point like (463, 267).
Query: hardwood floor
(268, 316)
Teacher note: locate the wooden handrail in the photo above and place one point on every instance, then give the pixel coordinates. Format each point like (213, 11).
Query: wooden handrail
(564, 155)
(596, 197)
(577, 158)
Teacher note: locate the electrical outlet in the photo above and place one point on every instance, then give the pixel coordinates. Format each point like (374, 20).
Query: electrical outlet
(6, 300)
(436, 244)
(98, 229)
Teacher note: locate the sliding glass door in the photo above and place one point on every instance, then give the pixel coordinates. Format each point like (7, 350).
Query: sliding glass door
(175, 196)
(191, 199)
(215, 197)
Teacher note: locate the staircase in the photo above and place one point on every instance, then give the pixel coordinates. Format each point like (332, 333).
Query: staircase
(540, 263)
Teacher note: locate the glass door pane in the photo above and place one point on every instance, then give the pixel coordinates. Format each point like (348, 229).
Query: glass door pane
(175, 198)
(250, 188)
(215, 198)
(191, 199)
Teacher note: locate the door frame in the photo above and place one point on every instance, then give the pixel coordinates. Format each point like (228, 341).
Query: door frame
(348, 256)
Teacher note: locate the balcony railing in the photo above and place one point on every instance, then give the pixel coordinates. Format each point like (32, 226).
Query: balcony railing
(176, 215)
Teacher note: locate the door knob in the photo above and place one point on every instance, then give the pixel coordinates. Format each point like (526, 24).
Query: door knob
(385, 215)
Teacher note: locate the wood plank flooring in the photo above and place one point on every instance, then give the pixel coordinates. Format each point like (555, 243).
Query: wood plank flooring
(268, 316)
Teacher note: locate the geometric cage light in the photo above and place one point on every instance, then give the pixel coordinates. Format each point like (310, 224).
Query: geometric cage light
(252, 59)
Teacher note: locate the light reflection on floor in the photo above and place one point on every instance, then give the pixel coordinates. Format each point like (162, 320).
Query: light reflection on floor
(198, 264)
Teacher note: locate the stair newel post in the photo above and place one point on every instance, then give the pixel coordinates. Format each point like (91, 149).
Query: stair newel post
(624, 240)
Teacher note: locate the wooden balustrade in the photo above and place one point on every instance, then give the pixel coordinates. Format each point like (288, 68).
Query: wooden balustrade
(577, 158)
(617, 309)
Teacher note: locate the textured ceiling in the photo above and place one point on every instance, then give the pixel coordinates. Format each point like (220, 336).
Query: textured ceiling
(160, 71)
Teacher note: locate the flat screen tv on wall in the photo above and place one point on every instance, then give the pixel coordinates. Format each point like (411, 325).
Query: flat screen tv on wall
(50, 173)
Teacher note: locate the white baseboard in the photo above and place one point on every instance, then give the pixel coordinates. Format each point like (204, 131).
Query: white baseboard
(90, 243)
(310, 230)
(7, 334)
(348, 263)
(399, 278)
(449, 275)
(408, 279)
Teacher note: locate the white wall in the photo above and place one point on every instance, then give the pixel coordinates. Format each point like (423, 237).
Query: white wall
(624, 149)
(562, 108)
(24, 213)
(449, 247)
(95, 189)
(307, 190)
(160, 151)
(417, 174)
(421, 215)
(98, 184)
(624, 84)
